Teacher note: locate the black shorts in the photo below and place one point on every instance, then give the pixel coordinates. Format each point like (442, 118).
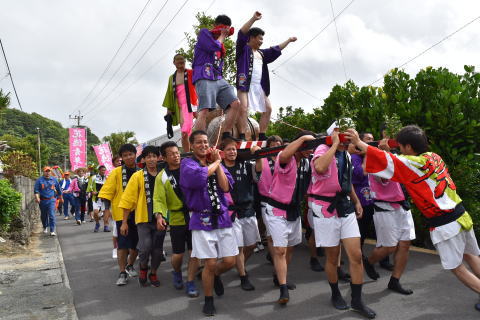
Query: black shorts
(180, 235)
(129, 241)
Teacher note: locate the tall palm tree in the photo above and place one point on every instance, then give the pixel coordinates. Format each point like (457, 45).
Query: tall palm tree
(117, 139)
(4, 100)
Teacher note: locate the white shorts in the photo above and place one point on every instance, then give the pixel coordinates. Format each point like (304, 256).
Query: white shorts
(246, 231)
(393, 226)
(284, 233)
(113, 224)
(213, 244)
(329, 231)
(451, 251)
(99, 205)
(263, 208)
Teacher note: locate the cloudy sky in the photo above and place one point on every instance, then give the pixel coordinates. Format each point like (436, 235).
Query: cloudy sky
(57, 50)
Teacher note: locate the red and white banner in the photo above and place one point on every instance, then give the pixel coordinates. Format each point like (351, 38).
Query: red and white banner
(104, 156)
(249, 144)
(78, 148)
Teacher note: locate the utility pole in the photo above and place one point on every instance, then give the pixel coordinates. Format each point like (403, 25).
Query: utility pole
(77, 118)
(65, 162)
(39, 156)
(10, 74)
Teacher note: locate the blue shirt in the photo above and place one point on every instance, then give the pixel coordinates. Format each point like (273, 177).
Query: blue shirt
(47, 188)
(66, 182)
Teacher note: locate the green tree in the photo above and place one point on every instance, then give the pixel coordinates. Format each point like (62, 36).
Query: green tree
(22, 131)
(206, 21)
(446, 105)
(17, 163)
(116, 140)
(4, 99)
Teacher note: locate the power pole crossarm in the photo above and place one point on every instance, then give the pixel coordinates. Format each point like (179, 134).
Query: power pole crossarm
(77, 118)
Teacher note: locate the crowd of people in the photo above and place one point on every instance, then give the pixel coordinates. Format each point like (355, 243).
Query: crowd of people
(218, 207)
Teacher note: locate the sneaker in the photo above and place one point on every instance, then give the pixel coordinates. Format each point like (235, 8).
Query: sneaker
(315, 265)
(153, 280)
(218, 286)
(114, 253)
(177, 280)
(66, 218)
(122, 279)
(284, 295)
(106, 229)
(342, 275)
(53, 233)
(260, 246)
(45, 230)
(245, 283)
(130, 269)
(192, 291)
(91, 220)
(142, 277)
(209, 308)
(97, 227)
(83, 221)
(370, 269)
(78, 222)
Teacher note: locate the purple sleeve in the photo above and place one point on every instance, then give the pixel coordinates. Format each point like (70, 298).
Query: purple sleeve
(206, 42)
(357, 175)
(242, 40)
(192, 175)
(271, 54)
(229, 177)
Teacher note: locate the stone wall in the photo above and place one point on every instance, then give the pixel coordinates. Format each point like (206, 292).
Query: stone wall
(22, 226)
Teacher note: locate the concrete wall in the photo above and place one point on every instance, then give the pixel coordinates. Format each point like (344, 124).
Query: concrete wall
(22, 226)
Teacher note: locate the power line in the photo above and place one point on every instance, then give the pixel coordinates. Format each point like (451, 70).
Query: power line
(126, 88)
(295, 86)
(338, 40)
(432, 46)
(114, 56)
(316, 35)
(141, 57)
(10, 74)
(128, 55)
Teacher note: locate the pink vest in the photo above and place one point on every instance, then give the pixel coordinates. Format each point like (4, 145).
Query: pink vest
(283, 184)
(325, 184)
(386, 190)
(266, 179)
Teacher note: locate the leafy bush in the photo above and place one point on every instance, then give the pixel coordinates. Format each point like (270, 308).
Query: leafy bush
(466, 176)
(9, 204)
(446, 105)
(17, 163)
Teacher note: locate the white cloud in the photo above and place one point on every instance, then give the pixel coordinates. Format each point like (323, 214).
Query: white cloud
(57, 50)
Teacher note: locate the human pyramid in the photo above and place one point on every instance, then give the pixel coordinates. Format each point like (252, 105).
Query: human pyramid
(207, 200)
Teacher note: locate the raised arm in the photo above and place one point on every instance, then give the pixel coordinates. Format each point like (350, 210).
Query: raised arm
(256, 16)
(290, 150)
(321, 163)
(286, 42)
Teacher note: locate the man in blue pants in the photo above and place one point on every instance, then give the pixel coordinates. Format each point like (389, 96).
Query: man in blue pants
(66, 194)
(46, 191)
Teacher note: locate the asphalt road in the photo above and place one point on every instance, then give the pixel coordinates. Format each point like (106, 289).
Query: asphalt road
(92, 273)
